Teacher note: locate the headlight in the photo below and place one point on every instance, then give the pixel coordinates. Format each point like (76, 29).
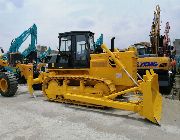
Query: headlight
(170, 72)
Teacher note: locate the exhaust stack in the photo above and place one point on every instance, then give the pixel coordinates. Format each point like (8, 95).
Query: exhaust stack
(112, 44)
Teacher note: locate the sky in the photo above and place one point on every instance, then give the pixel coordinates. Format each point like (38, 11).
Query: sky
(128, 20)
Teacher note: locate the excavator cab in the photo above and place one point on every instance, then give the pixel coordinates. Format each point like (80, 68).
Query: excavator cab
(15, 58)
(74, 50)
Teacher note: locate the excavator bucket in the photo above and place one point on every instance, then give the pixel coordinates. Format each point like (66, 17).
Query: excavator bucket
(152, 99)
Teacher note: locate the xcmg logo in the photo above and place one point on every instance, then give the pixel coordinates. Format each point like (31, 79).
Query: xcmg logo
(147, 64)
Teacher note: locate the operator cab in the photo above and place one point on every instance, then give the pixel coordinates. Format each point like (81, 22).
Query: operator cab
(144, 51)
(74, 50)
(15, 58)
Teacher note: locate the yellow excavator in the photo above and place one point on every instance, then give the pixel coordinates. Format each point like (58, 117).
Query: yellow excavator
(156, 54)
(83, 74)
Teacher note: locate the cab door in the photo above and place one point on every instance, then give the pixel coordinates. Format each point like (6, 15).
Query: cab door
(82, 52)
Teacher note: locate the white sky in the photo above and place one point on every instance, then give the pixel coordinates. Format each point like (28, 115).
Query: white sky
(129, 20)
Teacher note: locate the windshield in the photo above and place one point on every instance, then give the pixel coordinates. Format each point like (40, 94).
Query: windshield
(141, 51)
(53, 59)
(65, 43)
(81, 47)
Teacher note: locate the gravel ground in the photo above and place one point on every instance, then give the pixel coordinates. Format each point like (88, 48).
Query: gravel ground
(23, 117)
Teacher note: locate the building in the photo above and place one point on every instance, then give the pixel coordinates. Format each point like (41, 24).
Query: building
(41, 48)
(176, 44)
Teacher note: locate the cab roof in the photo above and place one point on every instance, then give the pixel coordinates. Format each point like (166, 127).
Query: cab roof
(75, 33)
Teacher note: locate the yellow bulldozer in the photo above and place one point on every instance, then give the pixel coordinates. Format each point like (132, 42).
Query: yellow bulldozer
(83, 74)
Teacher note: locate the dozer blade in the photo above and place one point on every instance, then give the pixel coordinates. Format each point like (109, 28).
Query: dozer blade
(152, 99)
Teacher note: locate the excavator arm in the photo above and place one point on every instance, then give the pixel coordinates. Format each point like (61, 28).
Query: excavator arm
(17, 42)
(45, 54)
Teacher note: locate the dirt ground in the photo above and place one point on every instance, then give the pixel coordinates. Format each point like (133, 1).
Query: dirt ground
(25, 118)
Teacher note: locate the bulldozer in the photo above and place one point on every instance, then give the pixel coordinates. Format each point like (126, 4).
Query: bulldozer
(85, 75)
